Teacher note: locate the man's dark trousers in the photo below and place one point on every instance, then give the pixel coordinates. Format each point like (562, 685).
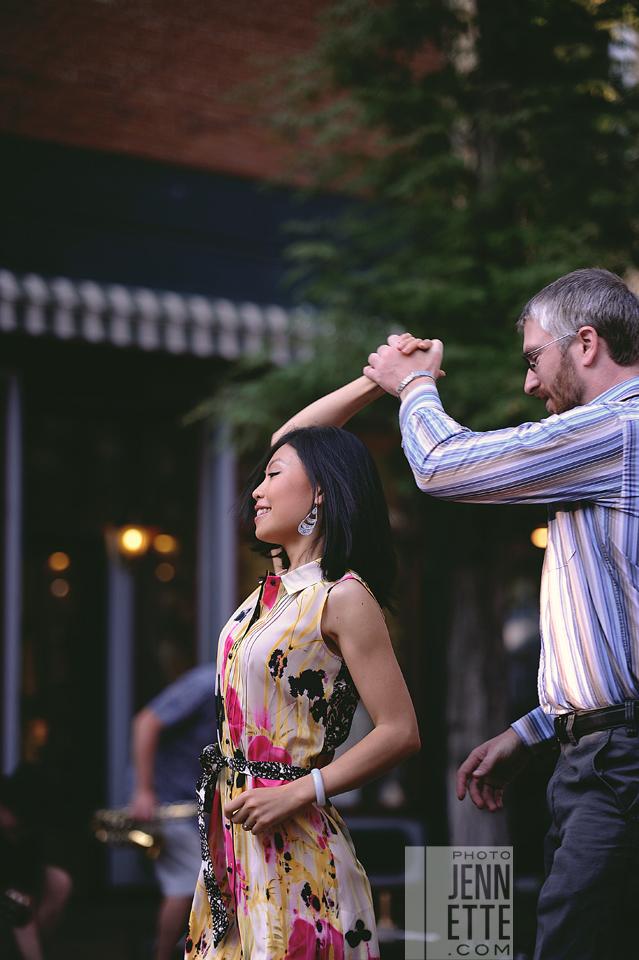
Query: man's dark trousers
(589, 905)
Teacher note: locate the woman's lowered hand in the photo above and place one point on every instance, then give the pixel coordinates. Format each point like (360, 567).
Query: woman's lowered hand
(263, 807)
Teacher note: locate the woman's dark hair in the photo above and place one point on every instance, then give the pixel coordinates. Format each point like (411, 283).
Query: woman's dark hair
(354, 514)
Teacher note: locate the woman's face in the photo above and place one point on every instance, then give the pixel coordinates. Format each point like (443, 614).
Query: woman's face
(282, 499)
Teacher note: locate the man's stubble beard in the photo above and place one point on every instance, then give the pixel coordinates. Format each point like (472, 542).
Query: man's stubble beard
(567, 389)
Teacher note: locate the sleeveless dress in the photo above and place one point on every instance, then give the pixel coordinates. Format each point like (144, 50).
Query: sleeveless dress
(296, 891)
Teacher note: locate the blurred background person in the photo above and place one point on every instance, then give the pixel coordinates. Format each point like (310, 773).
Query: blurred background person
(34, 891)
(169, 734)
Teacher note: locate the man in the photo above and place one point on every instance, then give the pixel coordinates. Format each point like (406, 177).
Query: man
(581, 343)
(168, 736)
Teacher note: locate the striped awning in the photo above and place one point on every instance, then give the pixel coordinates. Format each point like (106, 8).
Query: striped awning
(151, 319)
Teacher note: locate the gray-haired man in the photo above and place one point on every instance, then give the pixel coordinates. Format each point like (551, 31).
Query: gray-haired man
(581, 341)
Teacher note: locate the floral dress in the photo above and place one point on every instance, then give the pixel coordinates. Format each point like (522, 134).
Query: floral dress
(286, 701)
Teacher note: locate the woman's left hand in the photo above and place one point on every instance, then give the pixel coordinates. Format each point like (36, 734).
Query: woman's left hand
(264, 807)
(407, 343)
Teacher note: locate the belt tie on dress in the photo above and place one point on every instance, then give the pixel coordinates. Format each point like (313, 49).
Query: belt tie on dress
(213, 760)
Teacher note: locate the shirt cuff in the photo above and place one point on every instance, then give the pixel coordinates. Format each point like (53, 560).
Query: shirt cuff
(425, 395)
(536, 731)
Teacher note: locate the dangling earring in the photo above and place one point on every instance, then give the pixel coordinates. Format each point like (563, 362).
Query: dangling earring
(307, 525)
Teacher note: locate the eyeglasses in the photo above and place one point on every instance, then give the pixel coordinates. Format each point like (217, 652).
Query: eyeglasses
(532, 364)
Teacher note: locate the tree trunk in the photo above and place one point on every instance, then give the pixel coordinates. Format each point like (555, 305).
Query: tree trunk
(476, 695)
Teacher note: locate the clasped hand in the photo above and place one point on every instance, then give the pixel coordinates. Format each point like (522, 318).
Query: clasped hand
(393, 361)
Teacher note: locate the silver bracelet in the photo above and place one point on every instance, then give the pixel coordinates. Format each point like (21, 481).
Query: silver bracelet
(413, 376)
(320, 796)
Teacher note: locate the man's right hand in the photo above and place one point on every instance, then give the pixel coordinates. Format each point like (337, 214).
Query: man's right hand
(491, 766)
(392, 362)
(143, 804)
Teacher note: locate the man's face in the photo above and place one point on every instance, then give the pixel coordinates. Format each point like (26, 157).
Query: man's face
(556, 379)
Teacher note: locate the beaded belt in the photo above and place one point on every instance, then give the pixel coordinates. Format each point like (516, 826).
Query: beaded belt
(213, 761)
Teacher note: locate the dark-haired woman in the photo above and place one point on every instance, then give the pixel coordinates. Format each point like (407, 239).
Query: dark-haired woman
(280, 879)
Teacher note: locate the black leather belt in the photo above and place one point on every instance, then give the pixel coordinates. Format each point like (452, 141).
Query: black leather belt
(570, 727)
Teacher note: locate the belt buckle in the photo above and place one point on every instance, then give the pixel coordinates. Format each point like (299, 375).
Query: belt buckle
(630, 718)
(564, 725)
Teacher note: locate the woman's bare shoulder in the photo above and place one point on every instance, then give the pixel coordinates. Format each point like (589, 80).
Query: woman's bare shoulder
(350, 600)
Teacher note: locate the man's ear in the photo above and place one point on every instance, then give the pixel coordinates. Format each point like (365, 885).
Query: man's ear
(590, 344)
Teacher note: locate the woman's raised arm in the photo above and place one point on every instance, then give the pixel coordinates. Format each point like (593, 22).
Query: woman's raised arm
(335, 409)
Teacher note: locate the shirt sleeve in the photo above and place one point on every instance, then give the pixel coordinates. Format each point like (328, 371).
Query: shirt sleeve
(181, 699)
(576, 455)
(536, 730)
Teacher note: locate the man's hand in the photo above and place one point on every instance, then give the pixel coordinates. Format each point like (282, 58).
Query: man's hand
(490, 767)
(390, 363)
(143, 804)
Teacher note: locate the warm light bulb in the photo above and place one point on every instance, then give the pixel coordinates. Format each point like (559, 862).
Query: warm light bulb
(133, 541)
(38, 731)
(59, 587)
(58, 561)
(164, 572)
(539, 537)
(164, 543)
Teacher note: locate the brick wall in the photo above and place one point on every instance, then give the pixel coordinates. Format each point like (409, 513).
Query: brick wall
(149, 78)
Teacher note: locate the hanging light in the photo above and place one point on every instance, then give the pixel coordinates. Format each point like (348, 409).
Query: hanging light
(539, 537)
(58, 561)
(165, 543)
(133, 541)
(59, 587)
(164, 572)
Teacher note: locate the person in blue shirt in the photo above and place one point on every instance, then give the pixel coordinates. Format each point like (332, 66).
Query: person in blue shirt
(169, 734)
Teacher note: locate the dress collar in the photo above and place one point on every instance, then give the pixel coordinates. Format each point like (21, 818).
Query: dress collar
(621, 391)
(304, 576)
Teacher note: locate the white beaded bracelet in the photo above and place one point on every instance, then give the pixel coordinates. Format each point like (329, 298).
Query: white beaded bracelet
(320, 796)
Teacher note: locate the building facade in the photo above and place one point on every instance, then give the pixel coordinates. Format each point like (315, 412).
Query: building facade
(140, 257)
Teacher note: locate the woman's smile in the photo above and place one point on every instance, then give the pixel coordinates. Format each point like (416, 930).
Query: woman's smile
(282, 499)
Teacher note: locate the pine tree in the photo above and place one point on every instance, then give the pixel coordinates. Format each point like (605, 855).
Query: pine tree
(481, 148)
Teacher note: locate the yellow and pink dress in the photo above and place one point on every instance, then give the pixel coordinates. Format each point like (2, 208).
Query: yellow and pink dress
(285, 701)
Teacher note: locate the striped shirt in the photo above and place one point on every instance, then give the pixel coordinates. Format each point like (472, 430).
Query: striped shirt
(585, 465)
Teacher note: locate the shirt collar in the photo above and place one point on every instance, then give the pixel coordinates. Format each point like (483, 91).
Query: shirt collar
(304, 576)
(621, 391)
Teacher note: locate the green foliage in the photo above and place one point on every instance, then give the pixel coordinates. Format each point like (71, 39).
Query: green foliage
(483, 148)
(256, 397)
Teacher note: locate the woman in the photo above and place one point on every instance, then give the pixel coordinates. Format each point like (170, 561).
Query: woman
(282, 880)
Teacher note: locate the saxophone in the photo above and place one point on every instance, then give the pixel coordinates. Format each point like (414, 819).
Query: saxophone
(117, 828)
